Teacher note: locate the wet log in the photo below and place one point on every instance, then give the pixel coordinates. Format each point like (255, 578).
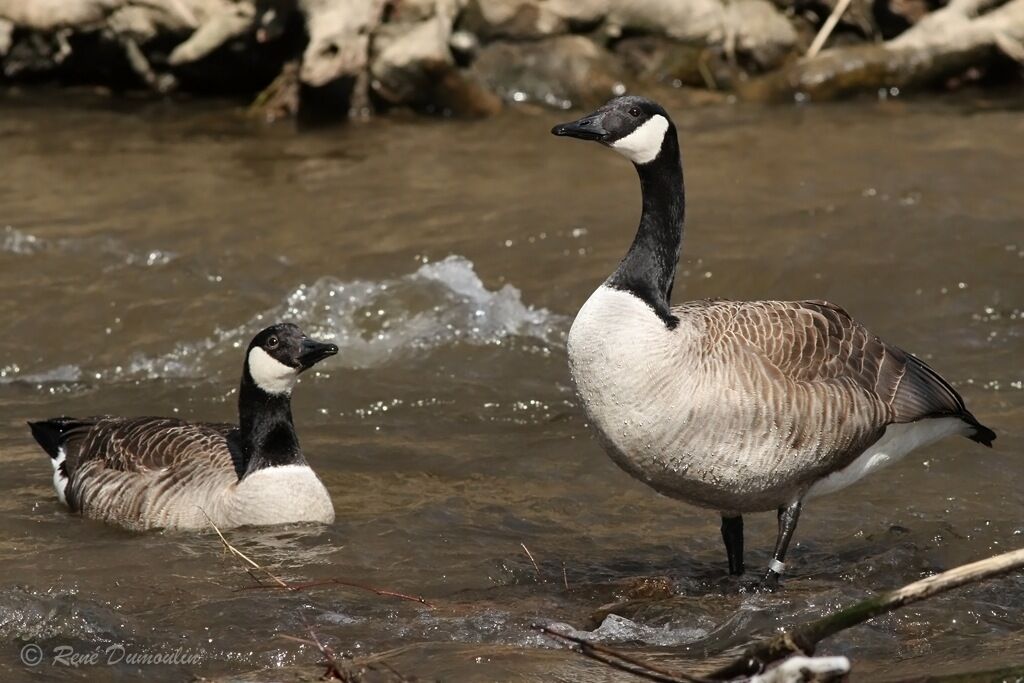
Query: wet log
(964, 34)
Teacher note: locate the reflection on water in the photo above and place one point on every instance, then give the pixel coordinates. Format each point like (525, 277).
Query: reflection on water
(139, 248)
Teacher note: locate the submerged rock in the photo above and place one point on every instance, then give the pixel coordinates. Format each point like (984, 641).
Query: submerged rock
(563, 72)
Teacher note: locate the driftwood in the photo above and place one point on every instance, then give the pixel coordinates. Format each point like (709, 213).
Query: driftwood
(463, 56)
(943, 44)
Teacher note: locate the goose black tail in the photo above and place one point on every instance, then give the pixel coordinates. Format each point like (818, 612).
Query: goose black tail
(982, 434)
(50, 433)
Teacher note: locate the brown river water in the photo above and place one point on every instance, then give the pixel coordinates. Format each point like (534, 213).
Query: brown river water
(141, 244)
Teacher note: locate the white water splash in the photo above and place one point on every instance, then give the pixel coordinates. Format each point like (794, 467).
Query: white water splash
(373, 323)
(441, 303)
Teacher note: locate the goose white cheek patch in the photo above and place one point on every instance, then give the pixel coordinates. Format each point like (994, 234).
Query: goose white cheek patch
(644, 143)
(270, 375)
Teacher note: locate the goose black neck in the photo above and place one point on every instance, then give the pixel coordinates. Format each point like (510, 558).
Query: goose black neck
(648, 270)
(267, 435)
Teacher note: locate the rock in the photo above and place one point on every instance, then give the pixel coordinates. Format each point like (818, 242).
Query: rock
(562, 72)
(512, 19)
(50, 15)
(412, 11)
(754, 29)
(339, 39)
(694, 21)
(580, 14)
(414, 66)
(758, 32)
(656, 58)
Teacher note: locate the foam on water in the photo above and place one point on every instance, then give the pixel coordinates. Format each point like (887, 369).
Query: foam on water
(373, 323)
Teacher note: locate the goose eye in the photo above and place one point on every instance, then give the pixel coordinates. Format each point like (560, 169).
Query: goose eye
(272, 343)
(634, 112)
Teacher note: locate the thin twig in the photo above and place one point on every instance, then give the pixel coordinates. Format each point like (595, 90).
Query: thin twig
(624, 662)
(803, 640)
(343, 582)
(242, 556)
(530, 555)
(565, 579)
(827, 27)
(334, 670)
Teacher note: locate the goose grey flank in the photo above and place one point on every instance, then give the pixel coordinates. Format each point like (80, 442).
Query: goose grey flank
(155, 472)
(736, 406)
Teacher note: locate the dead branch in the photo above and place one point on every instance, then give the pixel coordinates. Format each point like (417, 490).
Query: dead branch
(803, 640)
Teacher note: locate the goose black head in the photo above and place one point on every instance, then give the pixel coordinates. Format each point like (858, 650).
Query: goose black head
(278, 354)
(633, 126)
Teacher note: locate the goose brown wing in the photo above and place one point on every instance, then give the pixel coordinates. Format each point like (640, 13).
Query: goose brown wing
(142, 444)
(819, 343)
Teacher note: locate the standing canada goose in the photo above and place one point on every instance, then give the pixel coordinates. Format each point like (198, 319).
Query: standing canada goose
(736, 406)
(156, 472)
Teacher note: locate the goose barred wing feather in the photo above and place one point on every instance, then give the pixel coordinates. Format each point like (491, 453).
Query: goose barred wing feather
(818, 343)
(147, 444)
(135, 471)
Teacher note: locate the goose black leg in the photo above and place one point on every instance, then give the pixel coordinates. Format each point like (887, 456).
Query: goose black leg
(788, 517)
(732, 534)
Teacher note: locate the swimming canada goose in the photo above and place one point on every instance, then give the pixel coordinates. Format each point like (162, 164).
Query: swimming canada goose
(736, 406)
(157, 472)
